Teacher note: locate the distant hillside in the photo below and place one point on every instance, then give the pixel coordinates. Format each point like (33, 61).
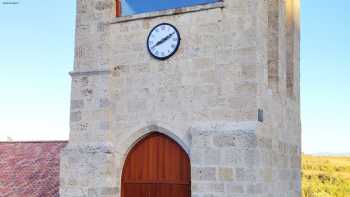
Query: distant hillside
(332, 154)
(326, 176)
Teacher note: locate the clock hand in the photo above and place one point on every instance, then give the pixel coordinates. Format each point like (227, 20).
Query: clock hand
(166, 38)
(158, 43)
(163, 40)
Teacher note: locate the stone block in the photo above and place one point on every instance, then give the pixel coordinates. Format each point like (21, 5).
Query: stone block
(75, 116)
(201, 139)
(245, 174)
(255, 188)
(74, 192)
(104, 102)
(196, 156)
(264, 142)
(251, 158)
(226, 174)
(234, 188)
(211, 156)
(246, 139)
(205, 187)
(224, 140)
(104, 125)
(203, 173)
(77, 104)
(103, 192)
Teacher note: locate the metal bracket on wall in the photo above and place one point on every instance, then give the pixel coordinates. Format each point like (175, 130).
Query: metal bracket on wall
(260, 115)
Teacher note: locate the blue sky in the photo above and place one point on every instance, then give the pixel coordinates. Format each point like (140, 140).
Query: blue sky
(36, 54)
(325, 75)
(130, 7)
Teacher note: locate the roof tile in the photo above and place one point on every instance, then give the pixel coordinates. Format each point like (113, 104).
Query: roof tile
(30, 169)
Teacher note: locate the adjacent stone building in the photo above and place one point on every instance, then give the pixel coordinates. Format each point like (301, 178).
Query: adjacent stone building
(229, 97)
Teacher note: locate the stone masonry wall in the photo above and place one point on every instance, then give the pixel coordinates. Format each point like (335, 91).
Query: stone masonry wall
(206, 97)
(281, 126)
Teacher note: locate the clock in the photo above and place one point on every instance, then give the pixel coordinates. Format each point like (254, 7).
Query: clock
(163, 41)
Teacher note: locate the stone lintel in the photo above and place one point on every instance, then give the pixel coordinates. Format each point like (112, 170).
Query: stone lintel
(247, 126)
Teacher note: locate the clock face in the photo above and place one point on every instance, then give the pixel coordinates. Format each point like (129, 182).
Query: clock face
(163, 41)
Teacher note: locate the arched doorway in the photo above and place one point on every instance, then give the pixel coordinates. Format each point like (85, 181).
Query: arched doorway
(156, 167)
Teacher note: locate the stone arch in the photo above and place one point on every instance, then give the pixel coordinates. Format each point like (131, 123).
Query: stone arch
(138, 135)
(128, 143)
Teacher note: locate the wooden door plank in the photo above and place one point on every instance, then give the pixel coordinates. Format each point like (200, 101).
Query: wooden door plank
(156, 167)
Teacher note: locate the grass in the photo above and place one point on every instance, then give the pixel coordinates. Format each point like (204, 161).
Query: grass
(325, 176)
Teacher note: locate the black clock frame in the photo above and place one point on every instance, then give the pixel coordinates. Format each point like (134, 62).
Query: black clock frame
(176, 48)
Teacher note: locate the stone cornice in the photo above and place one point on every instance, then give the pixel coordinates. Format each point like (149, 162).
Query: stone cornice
(89, 73)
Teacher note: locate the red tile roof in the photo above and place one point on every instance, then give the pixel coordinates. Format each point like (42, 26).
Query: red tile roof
(30, 169)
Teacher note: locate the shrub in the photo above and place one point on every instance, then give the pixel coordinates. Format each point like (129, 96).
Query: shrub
(325, 176)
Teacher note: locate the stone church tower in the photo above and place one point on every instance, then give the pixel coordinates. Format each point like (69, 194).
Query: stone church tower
(219, 118)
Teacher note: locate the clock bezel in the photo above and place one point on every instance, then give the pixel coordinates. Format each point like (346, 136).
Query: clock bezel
(177, 45)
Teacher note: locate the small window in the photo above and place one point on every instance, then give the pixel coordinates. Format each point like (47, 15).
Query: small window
(130, 7)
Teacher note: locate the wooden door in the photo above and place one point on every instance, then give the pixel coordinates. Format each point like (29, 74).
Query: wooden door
(156, 167)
